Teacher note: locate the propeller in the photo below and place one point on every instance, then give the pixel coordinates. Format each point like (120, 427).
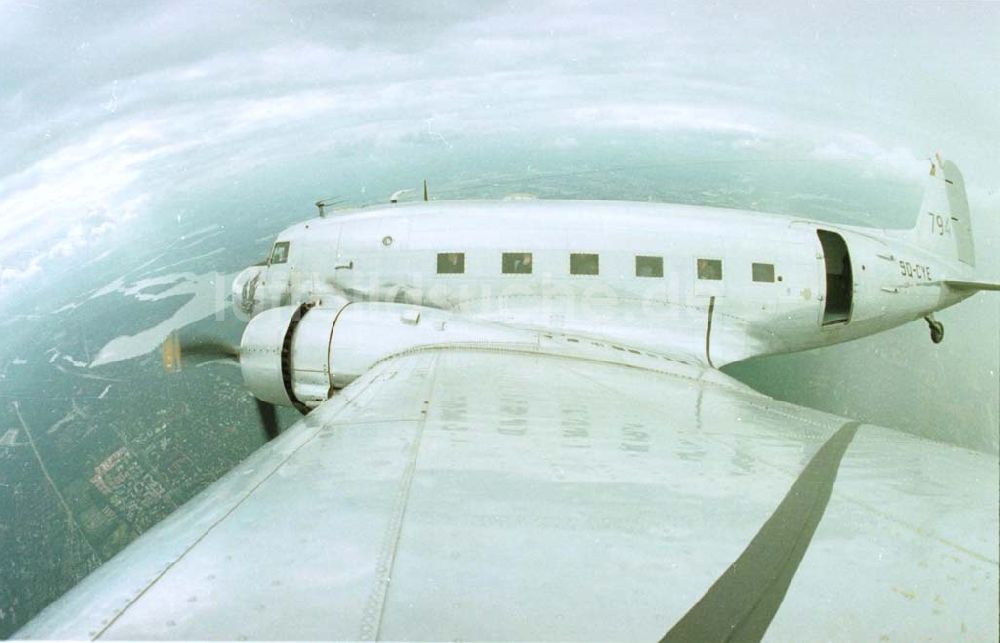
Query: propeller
(268, 414)
(208, 349)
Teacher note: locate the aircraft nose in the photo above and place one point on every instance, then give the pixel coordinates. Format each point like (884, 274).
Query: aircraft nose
(245, 288)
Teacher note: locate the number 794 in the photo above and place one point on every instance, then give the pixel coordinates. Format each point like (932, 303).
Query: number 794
(940, 225)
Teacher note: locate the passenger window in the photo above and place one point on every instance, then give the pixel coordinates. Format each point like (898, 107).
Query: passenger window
(710, 269)
(584, 264)
(280, 253)
(517, 263)
(451, 263)
(763, 272)
(648, 266)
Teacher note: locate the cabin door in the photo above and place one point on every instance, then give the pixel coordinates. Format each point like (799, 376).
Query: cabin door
(838, 296)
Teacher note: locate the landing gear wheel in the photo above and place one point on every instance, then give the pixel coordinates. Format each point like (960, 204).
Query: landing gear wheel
(937, 329)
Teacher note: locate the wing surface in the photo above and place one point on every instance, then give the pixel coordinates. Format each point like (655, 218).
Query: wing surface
(483, 494)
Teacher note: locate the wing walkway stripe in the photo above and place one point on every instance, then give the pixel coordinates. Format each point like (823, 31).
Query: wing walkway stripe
(742, 602)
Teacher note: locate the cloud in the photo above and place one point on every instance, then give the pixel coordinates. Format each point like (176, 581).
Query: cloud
(641, 117)
(899, 161)
(107, 108)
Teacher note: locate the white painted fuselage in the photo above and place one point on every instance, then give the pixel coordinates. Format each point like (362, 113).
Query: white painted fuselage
(392, 254)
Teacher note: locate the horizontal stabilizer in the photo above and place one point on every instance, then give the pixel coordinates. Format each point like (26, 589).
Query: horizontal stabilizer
(972, 285)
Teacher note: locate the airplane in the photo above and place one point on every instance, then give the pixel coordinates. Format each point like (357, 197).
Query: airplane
(515, 427)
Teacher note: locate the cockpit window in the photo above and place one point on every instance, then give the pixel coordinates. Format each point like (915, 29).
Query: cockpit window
(280, 253)
(451, 263)
(710, 269)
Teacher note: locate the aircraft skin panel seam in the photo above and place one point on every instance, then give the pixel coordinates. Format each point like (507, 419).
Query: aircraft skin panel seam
(708, 332)
(849, 497)
(773, 409)
(197, 541)
(329, 341)
(374, 613)
(751, 399)
(221, 519)
(776, 408)
(568, 357)
(916, 529)
(459, 303)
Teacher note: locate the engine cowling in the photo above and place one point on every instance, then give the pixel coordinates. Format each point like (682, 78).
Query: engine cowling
(300, 356)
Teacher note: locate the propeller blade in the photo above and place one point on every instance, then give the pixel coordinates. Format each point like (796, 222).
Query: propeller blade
(175, 352)
(171, 354)
(210, 348)
(268, 418)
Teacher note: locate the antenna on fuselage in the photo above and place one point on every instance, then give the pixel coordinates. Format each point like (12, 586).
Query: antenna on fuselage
(322, 204)
(394, 197)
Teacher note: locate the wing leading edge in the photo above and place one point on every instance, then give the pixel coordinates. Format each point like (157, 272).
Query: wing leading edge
(482, 494)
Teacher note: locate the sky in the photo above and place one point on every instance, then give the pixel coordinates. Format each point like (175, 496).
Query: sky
(124, 122)
(109, 106)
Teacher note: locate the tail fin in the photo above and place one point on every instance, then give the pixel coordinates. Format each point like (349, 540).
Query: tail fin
(944, 226)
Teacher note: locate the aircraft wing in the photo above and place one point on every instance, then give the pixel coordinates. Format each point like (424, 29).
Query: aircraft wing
(482, 494)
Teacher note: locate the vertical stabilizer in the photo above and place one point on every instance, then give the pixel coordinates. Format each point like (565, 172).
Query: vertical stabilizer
(943, 226)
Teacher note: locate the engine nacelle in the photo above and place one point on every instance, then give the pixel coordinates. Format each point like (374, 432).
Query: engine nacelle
(301, 355)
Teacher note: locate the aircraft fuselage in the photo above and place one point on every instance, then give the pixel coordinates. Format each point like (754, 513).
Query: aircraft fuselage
(715, 284)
